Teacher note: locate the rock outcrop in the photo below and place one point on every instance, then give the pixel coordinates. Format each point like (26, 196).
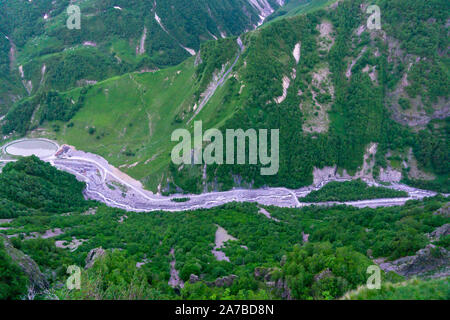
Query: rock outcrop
(280, 285)
(425, 262)
(93, 255)
(283, 289)
(440, 232)
(37, 281)
(226, 281)
(444, 211)
(193, 279)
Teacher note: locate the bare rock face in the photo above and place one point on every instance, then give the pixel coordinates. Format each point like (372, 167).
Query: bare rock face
(440, 232)
(261, 272)
(324, 274)
(38, 282)
(266, 274)
(198, 59)
(193, 279)
(92, 256)
(225, 281)
(280, 285)
(284, 290)
(444, 211)
(283, 260)
(428, 260)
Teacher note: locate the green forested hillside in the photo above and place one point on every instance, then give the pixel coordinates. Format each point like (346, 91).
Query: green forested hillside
(348, 102)
(312, 253)
(297, 7)
(13, 283)
(438, 289)
(351, 89)
(351, 191)
(30, 185)
(39, 52)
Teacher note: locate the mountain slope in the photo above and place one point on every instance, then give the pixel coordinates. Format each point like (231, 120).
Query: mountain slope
(302, 253)
(332, 87)
(38, 51)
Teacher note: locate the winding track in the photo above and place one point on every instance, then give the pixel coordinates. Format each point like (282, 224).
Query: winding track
(219, 83)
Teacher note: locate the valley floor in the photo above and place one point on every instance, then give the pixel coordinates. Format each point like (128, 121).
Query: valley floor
(110, 186)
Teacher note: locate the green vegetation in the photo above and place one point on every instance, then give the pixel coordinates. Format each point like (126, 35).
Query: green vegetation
(109, 40)
(181, 199)
(30, 185)
(318, 271)
(93, 89)
(435, 289)
(341, 242)
(298, 7)
(129, 119)
(351, 191)
(13, 282)
(114, 277)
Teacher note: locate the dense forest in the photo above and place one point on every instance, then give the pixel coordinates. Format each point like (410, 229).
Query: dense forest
(319, 253)
(322, 123)
(360, 113)
(33, 34)
(333, 108)
(351, 191)
(30, 186)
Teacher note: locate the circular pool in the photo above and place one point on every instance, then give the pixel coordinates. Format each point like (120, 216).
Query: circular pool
(39, 147)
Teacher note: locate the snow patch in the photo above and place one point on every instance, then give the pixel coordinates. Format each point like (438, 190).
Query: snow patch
(21, 72)
(348, 73)
(141, 49)
(158, 19)
(390, 175)
(286, 84)
(296, 53)
(89, 44)
(191, 51)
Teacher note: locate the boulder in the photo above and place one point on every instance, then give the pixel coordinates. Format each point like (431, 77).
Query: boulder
(283, 289)
(193, 279)
(225, 281)
(444, 211)
(261, 272)
(324, 274)
(425, 261)
(92, 256)
(440, 232)
(37, 281)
